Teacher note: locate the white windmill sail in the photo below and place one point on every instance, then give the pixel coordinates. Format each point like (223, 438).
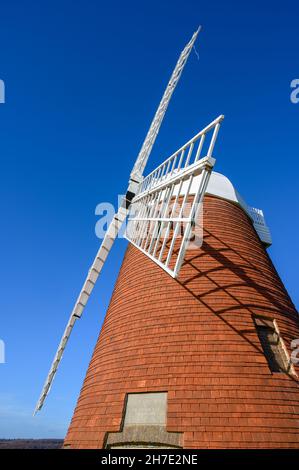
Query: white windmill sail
(165, 209)
(158, 118)
(118, 219)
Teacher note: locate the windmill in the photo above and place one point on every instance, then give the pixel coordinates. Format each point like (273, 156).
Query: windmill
(196, 336)
(148, 200)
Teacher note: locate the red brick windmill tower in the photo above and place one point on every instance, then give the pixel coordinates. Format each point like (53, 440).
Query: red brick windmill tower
(195, 346)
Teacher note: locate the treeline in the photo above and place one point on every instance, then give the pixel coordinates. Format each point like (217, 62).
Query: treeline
(31, 443)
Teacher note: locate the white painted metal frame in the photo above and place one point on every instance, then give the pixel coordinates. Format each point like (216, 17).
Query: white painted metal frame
(164, 211)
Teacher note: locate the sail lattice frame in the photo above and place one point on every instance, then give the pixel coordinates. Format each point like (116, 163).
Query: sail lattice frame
(165, 211)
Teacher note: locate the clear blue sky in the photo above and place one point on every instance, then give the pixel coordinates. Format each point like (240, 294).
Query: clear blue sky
(83, 79)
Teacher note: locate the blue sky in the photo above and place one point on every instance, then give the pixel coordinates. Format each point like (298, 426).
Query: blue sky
(83, 80)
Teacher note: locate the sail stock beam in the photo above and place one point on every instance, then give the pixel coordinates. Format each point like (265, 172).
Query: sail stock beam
(110, 236)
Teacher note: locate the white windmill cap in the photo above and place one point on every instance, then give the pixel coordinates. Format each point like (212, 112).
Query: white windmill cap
(220, 186)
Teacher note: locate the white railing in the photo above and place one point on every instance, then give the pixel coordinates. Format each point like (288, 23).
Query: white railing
(184, 157)
(260, 225)
(257, 215)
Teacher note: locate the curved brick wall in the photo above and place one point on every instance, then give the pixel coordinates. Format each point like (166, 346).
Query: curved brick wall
(195, 339)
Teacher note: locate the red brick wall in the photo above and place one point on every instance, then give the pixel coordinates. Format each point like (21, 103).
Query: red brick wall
(195, 338)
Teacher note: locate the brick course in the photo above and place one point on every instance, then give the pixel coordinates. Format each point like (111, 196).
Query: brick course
(195, 338)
